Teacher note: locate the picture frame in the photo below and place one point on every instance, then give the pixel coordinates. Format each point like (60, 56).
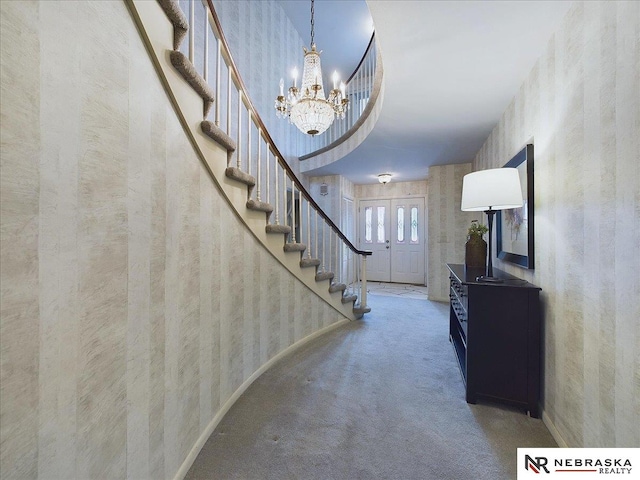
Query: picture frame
(514, 227)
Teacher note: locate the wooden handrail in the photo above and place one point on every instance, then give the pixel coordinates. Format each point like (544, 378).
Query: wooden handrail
(249, 104)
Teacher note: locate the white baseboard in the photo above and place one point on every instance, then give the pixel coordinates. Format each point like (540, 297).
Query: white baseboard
(195, 450)
(553, 430)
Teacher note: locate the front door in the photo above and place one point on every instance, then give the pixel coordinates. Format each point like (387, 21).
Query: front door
(375, 222)
(407, 243)
(394, 231)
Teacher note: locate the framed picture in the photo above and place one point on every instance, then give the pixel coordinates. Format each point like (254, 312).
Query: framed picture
(514, 227)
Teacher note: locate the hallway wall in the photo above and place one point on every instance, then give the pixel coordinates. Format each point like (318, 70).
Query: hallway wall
(446, 226)
(581, 106)
(134, 302)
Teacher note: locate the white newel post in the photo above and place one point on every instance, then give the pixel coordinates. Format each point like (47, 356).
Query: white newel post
(363, 293)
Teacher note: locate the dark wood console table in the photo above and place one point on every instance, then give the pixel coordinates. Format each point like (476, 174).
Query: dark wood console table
(495, 332)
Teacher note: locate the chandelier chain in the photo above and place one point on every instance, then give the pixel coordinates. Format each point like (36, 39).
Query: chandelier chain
(312, 24)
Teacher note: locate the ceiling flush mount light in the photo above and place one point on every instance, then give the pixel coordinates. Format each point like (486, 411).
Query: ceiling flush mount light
(306, 107)
(488, 191)
(384, 178)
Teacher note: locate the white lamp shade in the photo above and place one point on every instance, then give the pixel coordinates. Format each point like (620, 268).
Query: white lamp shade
(495, 189)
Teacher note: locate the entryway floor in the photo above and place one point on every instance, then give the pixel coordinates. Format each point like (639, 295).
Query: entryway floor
(398, 290)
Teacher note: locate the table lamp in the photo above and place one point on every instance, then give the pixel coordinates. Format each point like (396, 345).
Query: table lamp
(489, 191)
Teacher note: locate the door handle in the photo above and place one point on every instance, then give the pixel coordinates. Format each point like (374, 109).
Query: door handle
(387, 247)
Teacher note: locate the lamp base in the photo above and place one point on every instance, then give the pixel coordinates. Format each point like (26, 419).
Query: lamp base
(482, 278)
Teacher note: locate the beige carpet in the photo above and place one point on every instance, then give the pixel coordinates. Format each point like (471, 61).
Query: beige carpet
(381, 398)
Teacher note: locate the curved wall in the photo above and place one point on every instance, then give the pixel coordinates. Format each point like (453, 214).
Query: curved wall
(134, 302)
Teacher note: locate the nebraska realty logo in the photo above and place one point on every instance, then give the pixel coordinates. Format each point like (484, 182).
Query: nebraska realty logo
(568, 463)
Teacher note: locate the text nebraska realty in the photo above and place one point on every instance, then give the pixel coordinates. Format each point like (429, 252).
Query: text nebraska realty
(606, 466)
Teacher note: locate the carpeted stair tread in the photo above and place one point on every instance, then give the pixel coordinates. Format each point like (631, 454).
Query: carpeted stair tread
(294, 247)
(309, 262)
(321, 276)
(337, 287)
(259, 206)
(217, 135)
(349, 298)
(177, 18)
(358, 310)
(181, 63)
(243, 177)
(273, 228)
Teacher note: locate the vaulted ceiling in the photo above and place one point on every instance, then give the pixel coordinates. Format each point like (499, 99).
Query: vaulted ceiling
(451, 68)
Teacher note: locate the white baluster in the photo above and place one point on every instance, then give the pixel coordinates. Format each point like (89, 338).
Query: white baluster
(268, 179)
(308, 229)
(355, 272)
(217, 102)
(192, 30)
(249, 160)
(317, 235)
(363, 286)
(348, 273)
(259, 160)
(338, 261)
(353, 101)
(293, 210)
(332, 260)
(324, 252)
(239, 146)
(228, 100)
(276, 165)
(339, 251)
(329, 250)
(284, 197)
(205, 74)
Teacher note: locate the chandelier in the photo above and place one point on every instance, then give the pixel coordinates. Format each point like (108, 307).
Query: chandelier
(307, 107)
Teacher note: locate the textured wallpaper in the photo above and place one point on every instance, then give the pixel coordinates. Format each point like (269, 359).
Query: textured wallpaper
(391, 189)
(262, 28)
(134, 302)
(446, 226)
(580, 107)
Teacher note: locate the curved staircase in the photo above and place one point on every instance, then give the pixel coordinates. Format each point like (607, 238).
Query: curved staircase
(270, 219)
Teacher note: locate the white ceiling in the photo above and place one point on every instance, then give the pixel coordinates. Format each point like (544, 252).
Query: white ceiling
(450, 70)
(343, 29)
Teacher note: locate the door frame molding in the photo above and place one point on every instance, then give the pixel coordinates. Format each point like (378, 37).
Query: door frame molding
(395, 197)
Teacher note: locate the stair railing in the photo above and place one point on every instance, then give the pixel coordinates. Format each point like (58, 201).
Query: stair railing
(257, 155)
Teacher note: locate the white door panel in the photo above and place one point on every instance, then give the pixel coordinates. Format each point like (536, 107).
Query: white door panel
(374, 236)
(407, 249)
(394, 231)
